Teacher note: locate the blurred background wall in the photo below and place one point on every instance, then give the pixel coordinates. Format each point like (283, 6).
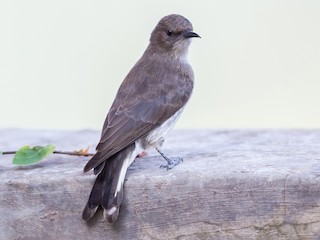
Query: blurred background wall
(257, 64)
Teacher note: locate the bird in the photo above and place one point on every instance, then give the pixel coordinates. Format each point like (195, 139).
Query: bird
(148, 103)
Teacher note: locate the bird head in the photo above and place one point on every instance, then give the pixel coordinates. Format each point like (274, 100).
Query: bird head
(172, 34)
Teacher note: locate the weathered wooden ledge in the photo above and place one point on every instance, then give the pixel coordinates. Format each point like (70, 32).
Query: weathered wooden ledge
(237, 184)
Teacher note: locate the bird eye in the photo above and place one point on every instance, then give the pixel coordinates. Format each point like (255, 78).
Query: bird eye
(169, 33)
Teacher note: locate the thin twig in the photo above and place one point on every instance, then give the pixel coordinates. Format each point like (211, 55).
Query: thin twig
(57, 152)
(74, 153)
(9, 152)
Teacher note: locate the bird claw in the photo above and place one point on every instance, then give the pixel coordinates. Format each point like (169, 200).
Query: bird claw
(172, 163)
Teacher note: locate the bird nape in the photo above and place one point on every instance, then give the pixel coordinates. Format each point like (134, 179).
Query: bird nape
(148, 103)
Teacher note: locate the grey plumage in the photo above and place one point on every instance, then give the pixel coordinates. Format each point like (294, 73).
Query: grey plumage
(148, 103)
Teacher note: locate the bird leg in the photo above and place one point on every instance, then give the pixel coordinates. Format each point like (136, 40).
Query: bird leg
(171, 162)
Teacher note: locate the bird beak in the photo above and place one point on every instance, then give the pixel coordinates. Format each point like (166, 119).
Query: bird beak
(190, 34)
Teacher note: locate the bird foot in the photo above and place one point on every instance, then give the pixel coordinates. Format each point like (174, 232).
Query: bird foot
(142, 154)
(171, 163)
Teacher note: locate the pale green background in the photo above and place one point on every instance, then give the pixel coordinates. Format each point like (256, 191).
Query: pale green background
(256, 66)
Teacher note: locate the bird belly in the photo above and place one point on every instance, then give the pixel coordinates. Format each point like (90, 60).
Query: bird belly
(156, 137)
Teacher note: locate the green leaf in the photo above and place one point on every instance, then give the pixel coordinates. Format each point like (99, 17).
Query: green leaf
(27, 155)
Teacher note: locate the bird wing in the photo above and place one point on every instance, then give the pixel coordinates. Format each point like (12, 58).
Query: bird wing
(145, 100)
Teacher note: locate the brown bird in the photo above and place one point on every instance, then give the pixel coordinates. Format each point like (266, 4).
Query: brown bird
(148, 103)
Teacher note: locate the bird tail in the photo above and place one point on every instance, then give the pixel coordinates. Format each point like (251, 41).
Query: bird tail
(107, 190)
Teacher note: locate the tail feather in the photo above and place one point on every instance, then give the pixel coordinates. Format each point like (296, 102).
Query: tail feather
(112, 215)
(108, 187)
(95, 197)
